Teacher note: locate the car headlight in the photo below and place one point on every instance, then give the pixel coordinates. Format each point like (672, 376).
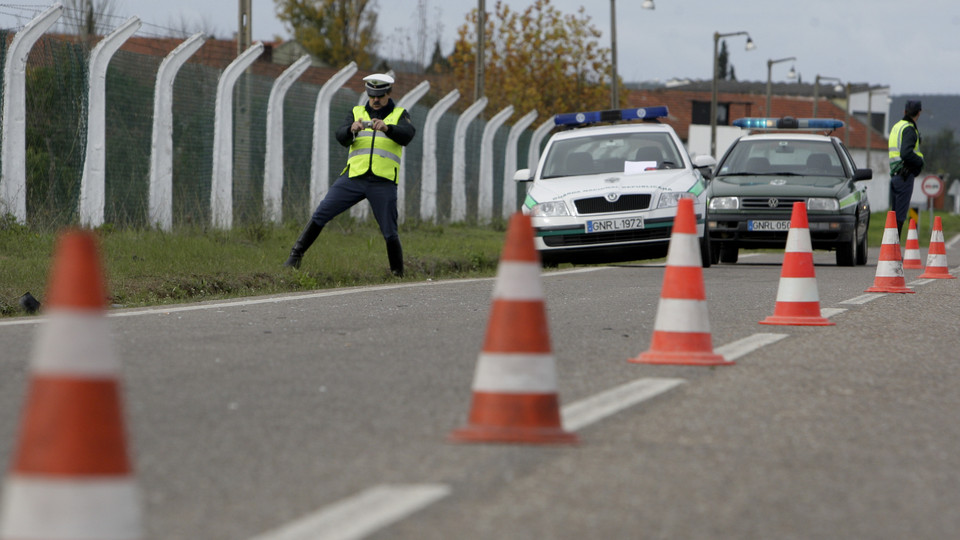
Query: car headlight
(822, 203)
(724, 203)
(551, 209)
(670, 198)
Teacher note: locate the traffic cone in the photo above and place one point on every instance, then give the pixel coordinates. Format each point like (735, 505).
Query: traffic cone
(681, 332)
(798, 302)
(937, 254)
(889, 277)
(71, 476)
(515, 383)
(911, 252)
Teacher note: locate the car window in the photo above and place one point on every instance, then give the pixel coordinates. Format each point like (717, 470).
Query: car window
(611, 153)
(782, 157)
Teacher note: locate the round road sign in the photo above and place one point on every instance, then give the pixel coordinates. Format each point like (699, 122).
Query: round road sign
(932, 186)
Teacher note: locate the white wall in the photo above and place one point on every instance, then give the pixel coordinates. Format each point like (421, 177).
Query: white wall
(698, 139)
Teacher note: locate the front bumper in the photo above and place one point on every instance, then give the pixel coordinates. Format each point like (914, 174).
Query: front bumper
(826, 231)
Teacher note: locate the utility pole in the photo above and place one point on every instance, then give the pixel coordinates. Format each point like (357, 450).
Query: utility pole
(243, 179)
(481, 38)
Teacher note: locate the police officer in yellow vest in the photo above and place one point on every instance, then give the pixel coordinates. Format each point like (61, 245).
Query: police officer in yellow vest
(375, 134)
(906, 161)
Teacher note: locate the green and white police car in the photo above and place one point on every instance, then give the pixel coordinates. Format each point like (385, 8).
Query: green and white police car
(608, 193)
(751, 195)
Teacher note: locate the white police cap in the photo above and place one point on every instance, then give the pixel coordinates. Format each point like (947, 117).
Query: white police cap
(378, 84)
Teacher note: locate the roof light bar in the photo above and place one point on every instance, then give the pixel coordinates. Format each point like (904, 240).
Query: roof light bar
(615, 115)
(788, 122)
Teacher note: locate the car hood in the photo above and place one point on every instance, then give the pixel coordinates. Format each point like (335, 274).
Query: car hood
(783, 186)
(581, 186)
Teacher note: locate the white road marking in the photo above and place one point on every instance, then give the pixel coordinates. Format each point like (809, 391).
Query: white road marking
(830, 312)
(363, 514)
(162, 310)
(916, 282)
(863, 299)
(599, 406)
(742, 347)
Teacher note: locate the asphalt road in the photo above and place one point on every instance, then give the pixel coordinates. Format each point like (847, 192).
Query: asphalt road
(330, 412)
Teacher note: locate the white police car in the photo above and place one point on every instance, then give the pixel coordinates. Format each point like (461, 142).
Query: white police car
(609, 193)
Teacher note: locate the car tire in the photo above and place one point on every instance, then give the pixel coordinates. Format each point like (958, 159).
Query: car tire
(729, 254)
(846, 252)
(862, 246)
(706, 258)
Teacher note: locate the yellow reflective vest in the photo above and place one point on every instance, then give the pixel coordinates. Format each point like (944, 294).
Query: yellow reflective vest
(372, 150)
(896, 137)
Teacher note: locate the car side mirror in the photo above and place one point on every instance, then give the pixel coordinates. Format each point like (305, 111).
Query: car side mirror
(705, 164)
(862, 174)
(523, 175)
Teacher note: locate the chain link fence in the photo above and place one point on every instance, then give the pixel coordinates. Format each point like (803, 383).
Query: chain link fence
(56, 103)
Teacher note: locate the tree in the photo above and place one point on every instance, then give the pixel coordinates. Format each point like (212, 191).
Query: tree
(88, 18)
(438, 62)
(722, 58)
(538, 59)
(335, 31)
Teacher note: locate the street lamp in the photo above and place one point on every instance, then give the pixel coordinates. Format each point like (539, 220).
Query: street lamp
(713, 99)
(614, 86)
(816, 90)
(792, 74)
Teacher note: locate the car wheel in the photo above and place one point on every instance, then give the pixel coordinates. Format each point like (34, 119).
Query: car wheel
(729, 254)
(862, 246)
(847, 251)
(706, 258)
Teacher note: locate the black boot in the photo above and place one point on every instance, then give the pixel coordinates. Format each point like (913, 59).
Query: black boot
(395, 255)
(309, 234)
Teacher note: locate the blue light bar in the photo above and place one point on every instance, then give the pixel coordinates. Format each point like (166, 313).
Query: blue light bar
(615, 115)
(788, 122)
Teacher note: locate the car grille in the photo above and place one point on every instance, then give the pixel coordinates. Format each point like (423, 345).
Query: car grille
(600, 205)
(636, 235)
(764, 203)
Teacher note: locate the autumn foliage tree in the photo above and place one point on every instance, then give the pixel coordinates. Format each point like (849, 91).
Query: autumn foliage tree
(536, 59)
(335, 31)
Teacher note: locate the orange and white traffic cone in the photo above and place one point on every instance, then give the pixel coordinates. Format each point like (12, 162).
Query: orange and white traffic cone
(71, 475)
(911, 251)
(889, 277)
(937, 254)
(681, 331)
(798, 301)
(515, 384)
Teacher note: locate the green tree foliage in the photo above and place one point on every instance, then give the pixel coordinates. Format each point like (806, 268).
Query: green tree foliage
(538, 59)
(335, 31)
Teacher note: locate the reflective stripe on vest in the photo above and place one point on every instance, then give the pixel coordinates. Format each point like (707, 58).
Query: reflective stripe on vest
(373, 150)
(896, 137)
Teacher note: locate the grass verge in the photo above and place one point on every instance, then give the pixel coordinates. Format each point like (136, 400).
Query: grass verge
(150, 267)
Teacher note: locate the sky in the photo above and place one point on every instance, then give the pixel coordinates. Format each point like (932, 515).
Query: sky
(912, 46)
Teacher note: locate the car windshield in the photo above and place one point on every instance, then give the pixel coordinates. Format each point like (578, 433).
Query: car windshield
(612, 153)
(782, 158)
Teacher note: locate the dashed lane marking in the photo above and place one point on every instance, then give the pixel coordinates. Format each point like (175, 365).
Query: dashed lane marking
(599, 406)
(742, 347)
(862, 299)
(362, 514)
